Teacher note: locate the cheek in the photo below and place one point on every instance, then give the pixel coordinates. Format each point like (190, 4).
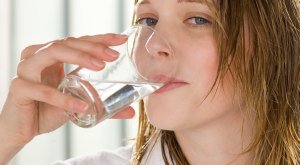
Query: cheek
(201, 61)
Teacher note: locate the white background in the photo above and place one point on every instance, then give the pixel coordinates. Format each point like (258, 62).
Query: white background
(26, 22)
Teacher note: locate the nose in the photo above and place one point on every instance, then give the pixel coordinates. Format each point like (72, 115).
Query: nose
(158, 46)
(154, 56)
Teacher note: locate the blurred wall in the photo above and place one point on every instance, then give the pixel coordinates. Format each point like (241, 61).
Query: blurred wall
(26, 22)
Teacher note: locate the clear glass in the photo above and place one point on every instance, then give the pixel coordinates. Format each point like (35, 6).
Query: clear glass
(145, 64)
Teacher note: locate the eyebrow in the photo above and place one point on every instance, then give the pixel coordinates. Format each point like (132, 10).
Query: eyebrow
(179, 1)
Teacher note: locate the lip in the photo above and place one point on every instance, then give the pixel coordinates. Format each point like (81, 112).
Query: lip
(171, 85)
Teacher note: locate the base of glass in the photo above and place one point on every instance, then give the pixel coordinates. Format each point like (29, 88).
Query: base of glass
(74, 86)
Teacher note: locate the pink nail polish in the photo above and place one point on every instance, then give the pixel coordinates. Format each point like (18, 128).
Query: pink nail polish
(111, 52)
(97, 62)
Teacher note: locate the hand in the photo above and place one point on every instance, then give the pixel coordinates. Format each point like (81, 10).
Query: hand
(34, 105)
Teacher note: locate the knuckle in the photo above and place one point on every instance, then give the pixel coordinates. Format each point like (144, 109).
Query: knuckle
(27, 72)
(52, 48)
(85, 37)
(15, 81)
(20, 68)
(15, 84)
(97, 47)
(69, 39)
(99, 36)
(81, 55)
(27, 51)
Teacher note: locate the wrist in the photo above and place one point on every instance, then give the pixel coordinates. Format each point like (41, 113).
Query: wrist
(8, 145)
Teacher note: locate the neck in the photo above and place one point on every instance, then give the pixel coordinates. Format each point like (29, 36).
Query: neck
(218, 142)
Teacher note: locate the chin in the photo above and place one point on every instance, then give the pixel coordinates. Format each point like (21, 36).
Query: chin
(163, 110)
(163, 116)
(163, 125)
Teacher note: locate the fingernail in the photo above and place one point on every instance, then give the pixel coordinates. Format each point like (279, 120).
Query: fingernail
(121, 36)
(80, 105)
(111, 52)
(97, 62)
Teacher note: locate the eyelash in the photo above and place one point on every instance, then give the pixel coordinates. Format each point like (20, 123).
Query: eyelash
(143, 21)
(203, 20)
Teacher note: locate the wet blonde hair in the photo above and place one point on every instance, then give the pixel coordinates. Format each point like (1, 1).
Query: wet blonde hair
(267, 72)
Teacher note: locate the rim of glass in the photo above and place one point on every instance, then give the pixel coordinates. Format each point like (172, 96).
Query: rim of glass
(130, 30)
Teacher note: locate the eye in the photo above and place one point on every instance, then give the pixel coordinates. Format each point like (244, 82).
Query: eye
(147, 21)
(197, 21)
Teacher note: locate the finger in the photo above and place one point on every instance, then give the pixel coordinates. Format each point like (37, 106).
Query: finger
(30, 50)
(128, 113)
(97, 49)
(25, 93)
(31, 68)
(107, 39)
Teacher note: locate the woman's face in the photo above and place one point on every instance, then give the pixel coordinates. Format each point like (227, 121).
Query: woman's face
(186, 103)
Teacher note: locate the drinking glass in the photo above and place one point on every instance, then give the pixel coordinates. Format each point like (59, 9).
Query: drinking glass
(145, 64)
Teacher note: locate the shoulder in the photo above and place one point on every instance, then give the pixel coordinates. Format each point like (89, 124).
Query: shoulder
(120, 156)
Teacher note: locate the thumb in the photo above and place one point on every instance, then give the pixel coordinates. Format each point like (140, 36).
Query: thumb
(127, 113)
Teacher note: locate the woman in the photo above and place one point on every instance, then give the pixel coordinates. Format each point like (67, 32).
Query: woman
(236, 100)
